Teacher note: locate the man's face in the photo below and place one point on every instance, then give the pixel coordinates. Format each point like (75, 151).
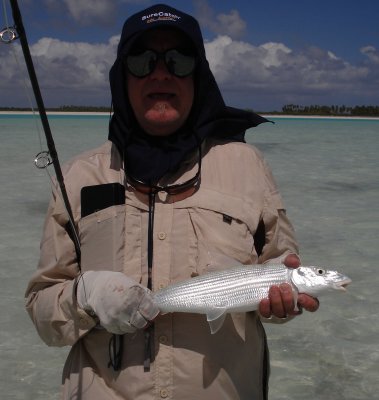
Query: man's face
(161, 101)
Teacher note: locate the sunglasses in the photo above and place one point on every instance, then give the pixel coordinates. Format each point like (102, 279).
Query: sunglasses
(177, 63)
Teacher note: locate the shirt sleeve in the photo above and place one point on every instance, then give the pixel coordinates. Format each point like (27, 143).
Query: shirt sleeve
(277, 233)
(50, 295)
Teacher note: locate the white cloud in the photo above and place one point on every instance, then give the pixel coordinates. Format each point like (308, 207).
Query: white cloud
(272, 73)
(68, 73)
(275, 67)
(85, 12)
(74, 64)
(371, 53)
(228, 24)
(332, 55)
(274, 52)
(231, 24)
(89, 10)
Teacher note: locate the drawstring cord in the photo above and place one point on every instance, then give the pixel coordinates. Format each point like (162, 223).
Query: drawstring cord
(150, 240)
(116, 342)
(149, 332)
(116, 348)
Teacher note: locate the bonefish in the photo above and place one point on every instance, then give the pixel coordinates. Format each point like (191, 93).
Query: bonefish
(241, 288)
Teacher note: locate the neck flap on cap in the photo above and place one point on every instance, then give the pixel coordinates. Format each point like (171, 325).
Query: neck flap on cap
(149, 158)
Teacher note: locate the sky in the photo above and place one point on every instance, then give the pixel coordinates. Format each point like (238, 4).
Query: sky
(264, 54)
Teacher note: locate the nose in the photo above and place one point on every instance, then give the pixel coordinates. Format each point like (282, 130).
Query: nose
(160, 71)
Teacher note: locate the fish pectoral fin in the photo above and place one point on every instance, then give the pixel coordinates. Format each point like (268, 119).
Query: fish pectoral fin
(216, 318)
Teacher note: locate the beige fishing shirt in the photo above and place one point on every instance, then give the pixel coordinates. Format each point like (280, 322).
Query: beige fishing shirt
(209, 230)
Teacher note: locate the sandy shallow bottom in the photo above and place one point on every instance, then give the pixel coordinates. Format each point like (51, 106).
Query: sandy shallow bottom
(327, 172)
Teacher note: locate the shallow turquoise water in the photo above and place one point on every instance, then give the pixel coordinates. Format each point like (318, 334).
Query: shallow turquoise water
(327, 171)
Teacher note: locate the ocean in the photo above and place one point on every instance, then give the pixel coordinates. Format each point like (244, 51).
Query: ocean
(328, 173)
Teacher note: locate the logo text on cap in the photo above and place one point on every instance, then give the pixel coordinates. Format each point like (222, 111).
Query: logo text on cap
(160, 16)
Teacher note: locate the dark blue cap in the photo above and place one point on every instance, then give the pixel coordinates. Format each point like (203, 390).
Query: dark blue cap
(158, 16)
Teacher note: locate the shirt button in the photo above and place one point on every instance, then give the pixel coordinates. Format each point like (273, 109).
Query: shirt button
(162, 235)
(164, 393)
(163, 339)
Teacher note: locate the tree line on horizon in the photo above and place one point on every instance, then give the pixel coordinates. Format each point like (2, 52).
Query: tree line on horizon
(367, 111)
(289, 109)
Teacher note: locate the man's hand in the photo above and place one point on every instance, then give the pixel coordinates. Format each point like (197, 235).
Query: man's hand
(121, 304)
(280, 302)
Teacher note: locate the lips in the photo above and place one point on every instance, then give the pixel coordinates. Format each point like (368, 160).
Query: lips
(160, 96)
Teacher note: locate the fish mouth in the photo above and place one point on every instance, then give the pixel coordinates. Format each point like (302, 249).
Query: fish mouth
(342, 285)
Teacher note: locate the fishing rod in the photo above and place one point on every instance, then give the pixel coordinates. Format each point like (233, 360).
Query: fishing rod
(43, 159)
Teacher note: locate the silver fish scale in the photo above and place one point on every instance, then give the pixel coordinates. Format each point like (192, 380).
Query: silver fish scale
(231, 289)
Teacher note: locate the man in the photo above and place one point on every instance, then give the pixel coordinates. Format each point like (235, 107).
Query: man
(174, 193)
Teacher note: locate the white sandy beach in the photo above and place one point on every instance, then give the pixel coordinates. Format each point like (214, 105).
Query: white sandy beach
(91, 113)
(318, 117)
(53, 113)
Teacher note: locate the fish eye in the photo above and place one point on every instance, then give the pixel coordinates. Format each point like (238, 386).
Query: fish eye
(320, 271)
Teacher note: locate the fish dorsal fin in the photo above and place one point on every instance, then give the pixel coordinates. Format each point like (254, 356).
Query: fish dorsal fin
(216, 318)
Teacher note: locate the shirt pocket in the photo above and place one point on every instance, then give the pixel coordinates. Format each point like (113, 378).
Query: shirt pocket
(223, 235)
(102, 239)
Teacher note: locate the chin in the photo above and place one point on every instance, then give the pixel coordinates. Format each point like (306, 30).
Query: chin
(161, 123)
(162, 130)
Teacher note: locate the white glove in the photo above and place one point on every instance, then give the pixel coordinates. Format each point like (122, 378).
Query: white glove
(121, 304)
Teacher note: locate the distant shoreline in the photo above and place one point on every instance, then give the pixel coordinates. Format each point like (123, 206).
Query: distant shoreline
(68, 113)
(266, 115)
(300, 116)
